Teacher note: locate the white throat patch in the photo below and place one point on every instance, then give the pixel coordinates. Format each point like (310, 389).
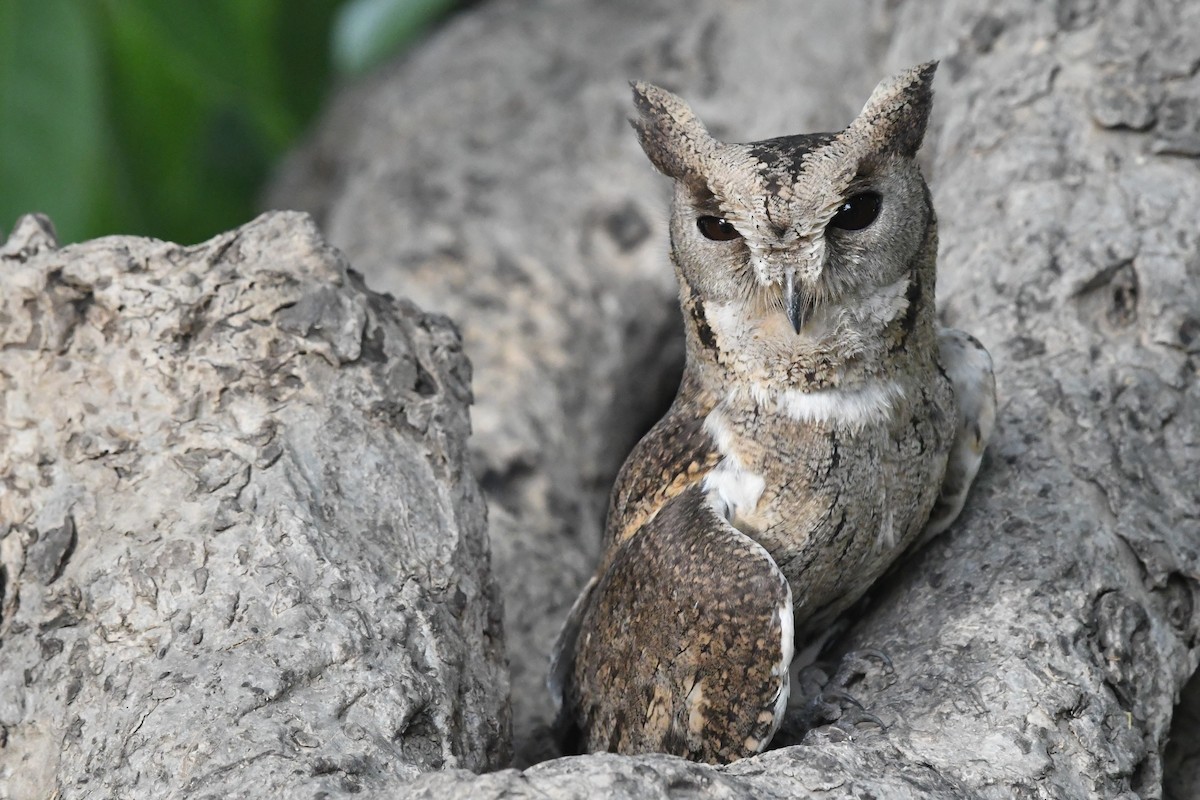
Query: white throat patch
(843, 408)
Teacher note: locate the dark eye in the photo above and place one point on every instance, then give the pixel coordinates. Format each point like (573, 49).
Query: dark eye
(717, 229)
(858, 212)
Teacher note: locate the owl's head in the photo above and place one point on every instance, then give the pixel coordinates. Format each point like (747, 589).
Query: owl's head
(785, 228)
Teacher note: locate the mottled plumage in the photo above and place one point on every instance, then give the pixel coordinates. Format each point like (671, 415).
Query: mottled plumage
(822, 417)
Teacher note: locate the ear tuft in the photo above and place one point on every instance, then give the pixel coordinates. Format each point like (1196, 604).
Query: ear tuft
(895, 116)
(671, 134)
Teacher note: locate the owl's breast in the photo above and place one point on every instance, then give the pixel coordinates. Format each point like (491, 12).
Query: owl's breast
(834, 504)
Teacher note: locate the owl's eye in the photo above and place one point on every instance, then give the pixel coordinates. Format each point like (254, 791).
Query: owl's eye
(858, 212)
(717, 229)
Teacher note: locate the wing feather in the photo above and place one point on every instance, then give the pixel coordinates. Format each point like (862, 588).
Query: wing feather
(685, 640)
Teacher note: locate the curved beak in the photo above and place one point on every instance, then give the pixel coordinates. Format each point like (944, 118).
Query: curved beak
(791, 300)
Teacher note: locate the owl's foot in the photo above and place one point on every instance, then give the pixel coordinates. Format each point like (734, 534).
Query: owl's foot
(836, 715)
(829, 704)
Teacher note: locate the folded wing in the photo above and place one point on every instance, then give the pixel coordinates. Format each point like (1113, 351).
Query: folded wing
(682, 644)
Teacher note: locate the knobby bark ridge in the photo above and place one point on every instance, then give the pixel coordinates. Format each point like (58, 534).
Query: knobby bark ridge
(241, 553)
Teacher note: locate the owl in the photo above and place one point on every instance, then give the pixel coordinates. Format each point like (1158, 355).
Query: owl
(824, 424)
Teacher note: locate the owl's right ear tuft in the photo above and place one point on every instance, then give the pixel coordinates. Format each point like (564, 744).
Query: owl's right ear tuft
(897, 113)
(671, 134)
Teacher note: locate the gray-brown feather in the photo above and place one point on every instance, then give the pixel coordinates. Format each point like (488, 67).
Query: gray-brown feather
(675, 454)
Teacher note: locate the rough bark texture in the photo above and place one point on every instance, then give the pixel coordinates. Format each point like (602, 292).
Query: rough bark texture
(241, 553)
(1039, 646)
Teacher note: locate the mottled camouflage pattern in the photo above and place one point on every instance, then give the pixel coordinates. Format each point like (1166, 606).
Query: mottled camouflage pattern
(698, 681)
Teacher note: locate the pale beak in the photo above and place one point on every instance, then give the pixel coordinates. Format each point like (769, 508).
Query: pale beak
(791, 300)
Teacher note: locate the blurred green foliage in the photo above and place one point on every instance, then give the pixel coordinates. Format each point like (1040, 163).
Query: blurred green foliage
(163, 118)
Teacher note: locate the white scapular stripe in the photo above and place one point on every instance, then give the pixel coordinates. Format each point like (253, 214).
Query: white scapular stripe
(783, 670)
(729, 484)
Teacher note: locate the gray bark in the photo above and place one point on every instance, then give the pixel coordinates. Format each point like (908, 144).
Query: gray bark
(241, 552)
(1041, 644)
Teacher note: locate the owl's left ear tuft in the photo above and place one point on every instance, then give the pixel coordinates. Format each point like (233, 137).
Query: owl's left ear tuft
(671, 134)
(897, 113)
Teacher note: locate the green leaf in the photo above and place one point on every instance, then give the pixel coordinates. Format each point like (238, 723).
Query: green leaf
(164, 118)
(302, 54)
(51, 117)
(196, 120)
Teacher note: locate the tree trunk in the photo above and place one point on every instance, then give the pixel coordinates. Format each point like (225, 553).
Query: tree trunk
(240, 550)
(1040, 645)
